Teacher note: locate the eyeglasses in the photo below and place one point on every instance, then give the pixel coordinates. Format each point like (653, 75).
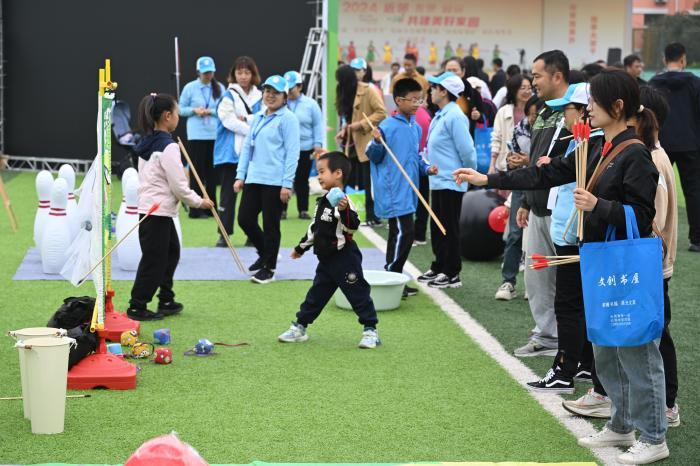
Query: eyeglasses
(413, 101)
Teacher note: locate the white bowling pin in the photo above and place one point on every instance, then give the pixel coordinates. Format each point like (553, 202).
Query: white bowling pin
(67, 173)
(129, 252)
(128, 173)
(44, 182)
(56, 238)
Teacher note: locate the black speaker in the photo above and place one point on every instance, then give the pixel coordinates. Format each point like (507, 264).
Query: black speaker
(614, 56)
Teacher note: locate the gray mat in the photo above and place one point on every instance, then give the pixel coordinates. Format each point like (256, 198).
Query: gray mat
(212, 264)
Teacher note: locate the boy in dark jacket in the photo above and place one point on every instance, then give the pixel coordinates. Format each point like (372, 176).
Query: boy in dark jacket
(680, 134)
(339, 258)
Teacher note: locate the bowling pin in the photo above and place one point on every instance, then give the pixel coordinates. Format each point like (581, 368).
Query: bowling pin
(56, 238)
(44, 182)
(67, 173)
(129, 252)
(128, 173)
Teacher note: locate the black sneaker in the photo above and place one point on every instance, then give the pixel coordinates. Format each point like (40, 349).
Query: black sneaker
(304, 215)
(248, 242)
(170, 308)
(443, 281)
(373, 223)
(583, 374)
(428, 276)
(221, 242)
(263, 276)
(408, 291)
(143, 314)
(257, 265)
(197, 213)
(694, 247)
(553, 382)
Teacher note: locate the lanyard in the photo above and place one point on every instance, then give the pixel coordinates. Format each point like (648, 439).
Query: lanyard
(207, 100)
(296, 104)
(560, 125)
(259, 127)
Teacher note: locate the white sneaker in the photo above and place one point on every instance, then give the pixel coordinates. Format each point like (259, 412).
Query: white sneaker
(607, 438)
(506, 292)
(370, 339)
(591, 404)
(295, 334)
(673, 416)
(525, 296)
(644, 453)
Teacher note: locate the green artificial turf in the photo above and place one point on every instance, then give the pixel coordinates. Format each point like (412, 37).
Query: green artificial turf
(428, 394)
(510, 322)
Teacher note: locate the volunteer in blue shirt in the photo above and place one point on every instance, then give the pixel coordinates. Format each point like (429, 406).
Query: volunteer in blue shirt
(449, 145)
(266, 168)
(311, 124)
(198, 102)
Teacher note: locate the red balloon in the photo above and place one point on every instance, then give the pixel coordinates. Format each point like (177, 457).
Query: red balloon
(166, 450)
(498, 218)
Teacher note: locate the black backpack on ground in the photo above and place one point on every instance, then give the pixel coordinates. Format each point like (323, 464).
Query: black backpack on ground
(74, 316)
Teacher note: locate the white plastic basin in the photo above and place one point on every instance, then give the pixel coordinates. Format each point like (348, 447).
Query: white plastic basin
(387, 288)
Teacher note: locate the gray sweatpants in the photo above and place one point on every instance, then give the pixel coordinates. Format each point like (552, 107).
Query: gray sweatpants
(541, 284)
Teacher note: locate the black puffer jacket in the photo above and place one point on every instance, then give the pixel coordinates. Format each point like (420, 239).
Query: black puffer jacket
(681, 130)
(630, 179)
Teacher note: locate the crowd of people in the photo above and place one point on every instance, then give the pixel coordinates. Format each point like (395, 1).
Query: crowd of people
(262, 141)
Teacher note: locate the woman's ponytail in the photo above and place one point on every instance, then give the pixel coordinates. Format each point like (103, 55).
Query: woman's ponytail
(647, 127)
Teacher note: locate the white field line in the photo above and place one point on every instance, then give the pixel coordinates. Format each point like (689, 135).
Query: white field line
(579, 427)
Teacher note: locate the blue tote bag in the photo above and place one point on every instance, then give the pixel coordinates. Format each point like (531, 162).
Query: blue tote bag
(482, 144)
(623, 287)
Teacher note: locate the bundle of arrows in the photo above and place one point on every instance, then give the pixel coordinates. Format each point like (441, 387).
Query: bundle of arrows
(542, 262)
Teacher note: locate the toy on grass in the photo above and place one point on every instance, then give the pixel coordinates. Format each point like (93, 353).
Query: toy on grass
(166, 450)
(141, 350)
(161, 336)
(129, 338)
(163, 356)
(115, 349)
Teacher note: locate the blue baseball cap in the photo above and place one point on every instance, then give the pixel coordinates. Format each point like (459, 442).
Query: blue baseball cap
(277, 82)
(578, 93)
(205, 64)
(449, 81)
(358, 63)
(293, 78)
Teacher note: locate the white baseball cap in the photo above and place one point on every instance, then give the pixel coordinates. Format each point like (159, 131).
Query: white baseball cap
(578, 93)
(449, 81)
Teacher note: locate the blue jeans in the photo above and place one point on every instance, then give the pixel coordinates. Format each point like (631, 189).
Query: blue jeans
(513, 252)
(633, 377)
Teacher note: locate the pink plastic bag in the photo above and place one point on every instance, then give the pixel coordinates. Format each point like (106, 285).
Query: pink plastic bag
(166, 450)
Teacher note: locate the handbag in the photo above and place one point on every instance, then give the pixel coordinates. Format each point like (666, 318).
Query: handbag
(482, 144)
(623, 287)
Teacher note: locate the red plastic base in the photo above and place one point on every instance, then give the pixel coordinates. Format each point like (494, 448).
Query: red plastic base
(102, 371)
(117, 323)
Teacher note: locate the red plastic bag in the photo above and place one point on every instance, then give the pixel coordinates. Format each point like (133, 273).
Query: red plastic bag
(166, 450)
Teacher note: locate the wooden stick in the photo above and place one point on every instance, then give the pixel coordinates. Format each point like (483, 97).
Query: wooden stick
(7, 398)
(8, 206)
(410, 181)
(539, 257)
(153, 208)
(222, 230)
(346, 149)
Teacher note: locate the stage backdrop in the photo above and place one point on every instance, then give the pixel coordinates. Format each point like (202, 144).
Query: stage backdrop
(53, 50)
(515, 30)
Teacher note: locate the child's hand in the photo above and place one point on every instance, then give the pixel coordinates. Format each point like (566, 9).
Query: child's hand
(295, 254)
(343, 203)
(206, 204)
(237, 186)
(377, 135)
(433, 170)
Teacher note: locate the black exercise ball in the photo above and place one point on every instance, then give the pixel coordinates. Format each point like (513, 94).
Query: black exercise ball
(477, 240)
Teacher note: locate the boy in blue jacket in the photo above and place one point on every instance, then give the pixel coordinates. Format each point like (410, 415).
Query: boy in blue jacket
(394, 199)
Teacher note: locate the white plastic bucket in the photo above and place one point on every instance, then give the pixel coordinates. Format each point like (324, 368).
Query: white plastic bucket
(25, 335)
(46, 361)
(387, 289)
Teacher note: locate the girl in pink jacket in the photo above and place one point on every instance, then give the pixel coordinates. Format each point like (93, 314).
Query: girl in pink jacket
(162, 180)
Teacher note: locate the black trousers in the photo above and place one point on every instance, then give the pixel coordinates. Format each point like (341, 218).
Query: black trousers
(447, 205)
(227, 205)
(367, 183)
(421, 212)
(341, 270)
(668, 354)
(689, 170)
(301, 180)
(202, 155)
(160, 248)
(259, 198)
(571, 319)
(399, 243)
